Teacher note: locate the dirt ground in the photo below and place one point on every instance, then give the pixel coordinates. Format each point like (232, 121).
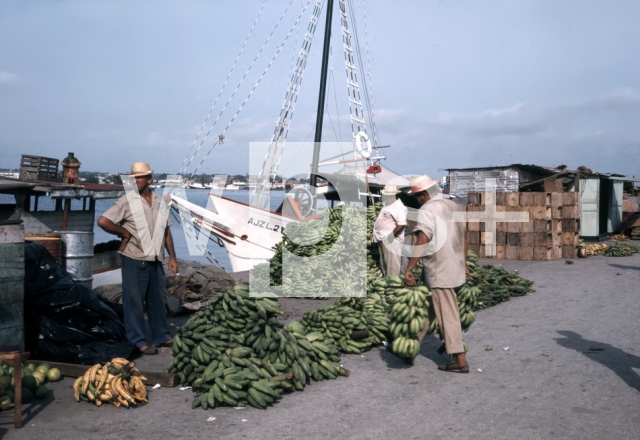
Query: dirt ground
(564, 364)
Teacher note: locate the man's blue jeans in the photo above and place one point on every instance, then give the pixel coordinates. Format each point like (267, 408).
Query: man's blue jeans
(144, 289)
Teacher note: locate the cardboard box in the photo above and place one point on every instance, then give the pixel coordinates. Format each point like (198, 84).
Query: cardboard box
(512, 198)
(526, 199)
(553, 185)
(556, 199)
(526, 239)
(526, 253)
(569, 251)
(541, 225)
(513, 239)
(501, 238)
(539, 199)
(556, 212)
(512, 252)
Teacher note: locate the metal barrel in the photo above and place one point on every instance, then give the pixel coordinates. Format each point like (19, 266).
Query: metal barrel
(77, 255)
(12, 283)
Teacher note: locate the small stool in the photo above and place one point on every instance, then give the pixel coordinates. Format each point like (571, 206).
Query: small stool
(12, 355)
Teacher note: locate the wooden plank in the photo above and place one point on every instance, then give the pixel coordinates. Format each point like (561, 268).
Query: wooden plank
(73, 370)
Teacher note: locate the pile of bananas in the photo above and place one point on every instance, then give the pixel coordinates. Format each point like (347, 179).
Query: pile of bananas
(621, 250)
(118, 382)
(408, 317)
(594, 249)
(236, 353)
(354, 331)
(619, 237)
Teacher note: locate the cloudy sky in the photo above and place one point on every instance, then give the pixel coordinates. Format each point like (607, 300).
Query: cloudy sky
(455, 83)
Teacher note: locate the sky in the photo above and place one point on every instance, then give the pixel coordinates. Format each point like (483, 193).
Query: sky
(454, 83)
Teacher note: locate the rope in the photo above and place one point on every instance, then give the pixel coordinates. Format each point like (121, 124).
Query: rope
(254, 87)
(236, 89)
(223, 87)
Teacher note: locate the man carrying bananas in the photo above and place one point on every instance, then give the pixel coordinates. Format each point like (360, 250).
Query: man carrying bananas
(388, 230)
(442, 245)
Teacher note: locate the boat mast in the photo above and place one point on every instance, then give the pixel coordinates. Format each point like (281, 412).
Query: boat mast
(313, 178)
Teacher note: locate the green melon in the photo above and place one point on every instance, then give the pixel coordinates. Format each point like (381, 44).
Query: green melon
(43, 368)
(41, 392)
(31, 366)
(30, 382)
(9, 394)
(40, 377)
(27, 395)
(1, 391)
(27, 372)
(5, 400)
(5, 381)
(54, 375)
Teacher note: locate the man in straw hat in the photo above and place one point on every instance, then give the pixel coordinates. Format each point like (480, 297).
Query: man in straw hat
(442, 245)
(144, 285)
(389, 229)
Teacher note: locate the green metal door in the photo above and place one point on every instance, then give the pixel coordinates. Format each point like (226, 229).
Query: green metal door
(589, 202)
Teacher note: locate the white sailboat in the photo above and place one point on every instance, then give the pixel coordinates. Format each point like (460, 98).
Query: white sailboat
(249, 232)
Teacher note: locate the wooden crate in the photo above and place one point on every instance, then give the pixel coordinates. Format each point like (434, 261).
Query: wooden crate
(556, 199)
(539, 199)
(569, 239)
(471, 225)
(542, 253)
(553, 185)
(570, 225)
(501, 226)
(38, 168)
(12, 283)
(569, 251)
(512, 198)
(526, 239)
(500, 252)
(501, 238)
(570, 198)
(556, 238)
(556, 225)
(480, 252)
(487, 238)
(542, 239)
(526, 253)
(501, 199)
(473, 198)
(513, 239)
(527, 226)
(512, 252)
(541, 225)
(539, 212)
(572, 211)
(557, 252)
(556, 212)
(526, 199)
(513, 227)
(473, 237)
(475, 248)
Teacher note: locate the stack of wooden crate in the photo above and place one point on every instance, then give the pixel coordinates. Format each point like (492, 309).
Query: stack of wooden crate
(551, 232)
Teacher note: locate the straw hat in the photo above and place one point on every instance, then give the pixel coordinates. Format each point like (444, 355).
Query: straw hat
(389, 190)
(420, 183)
(141, 169)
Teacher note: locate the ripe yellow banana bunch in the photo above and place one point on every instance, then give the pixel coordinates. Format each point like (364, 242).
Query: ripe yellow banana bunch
(118, 382)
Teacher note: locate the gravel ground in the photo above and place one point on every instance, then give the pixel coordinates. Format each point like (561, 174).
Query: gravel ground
(570, 371)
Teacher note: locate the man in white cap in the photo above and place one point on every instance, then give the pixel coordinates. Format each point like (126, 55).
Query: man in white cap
(388, 230)
(144, 285)
(442, 245)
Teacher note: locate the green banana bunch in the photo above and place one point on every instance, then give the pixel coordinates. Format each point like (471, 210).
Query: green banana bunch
(408, 318)
(621, 250)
